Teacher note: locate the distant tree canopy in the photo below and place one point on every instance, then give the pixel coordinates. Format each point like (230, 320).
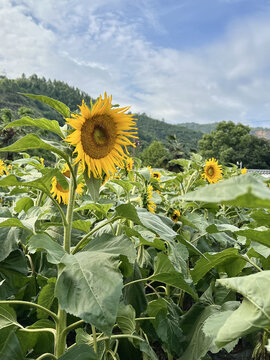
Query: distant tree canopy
(154, 154)
(232, 142)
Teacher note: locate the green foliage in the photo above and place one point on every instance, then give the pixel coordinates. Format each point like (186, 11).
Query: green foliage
(129, 281)
(232, 143)
(154, 154)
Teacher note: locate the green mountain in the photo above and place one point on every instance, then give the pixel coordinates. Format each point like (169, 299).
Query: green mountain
(149, 129)
(204, 128)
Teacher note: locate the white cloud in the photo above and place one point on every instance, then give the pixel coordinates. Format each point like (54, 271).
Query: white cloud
(102, 48)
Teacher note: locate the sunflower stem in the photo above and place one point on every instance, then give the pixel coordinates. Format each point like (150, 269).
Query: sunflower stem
(61, 334)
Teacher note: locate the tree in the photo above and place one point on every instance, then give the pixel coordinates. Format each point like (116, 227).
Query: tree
(232, 143)
(154, 154)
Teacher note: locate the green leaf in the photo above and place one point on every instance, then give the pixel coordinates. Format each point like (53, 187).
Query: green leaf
(253, 313)
(93, 185)
(55, 104)
(211, 260)
(46, 298)
(90, 287)
(243, 191)
(24, 203)
(214, 228)
(199, 343)
(13, 274)
(32, 141)
(126, 319)
(80, 352)
(8, 319)
(41, 183)
(55, 251)
(260, 235)
(148, 351)
(211, 327)
(167, 325)
(50, 125)
(134, 294)
(166, 273)
(15, 223)
(102, 208)
(126, 185)
(82, 225)
(128, 211)
(114, 245)
(10, 348)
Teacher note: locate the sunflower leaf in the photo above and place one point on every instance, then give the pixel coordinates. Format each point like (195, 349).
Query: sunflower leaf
(45, 124)
(55, 104)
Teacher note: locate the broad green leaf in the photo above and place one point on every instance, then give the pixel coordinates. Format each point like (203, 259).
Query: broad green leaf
(253, 313)
(55, 251)
(148, 352)
(260, 235)
(32, 141)
(129, 212)
(90, 287)
(209, 261)
(50, 125)
(214, 228)
(243, 191)
(166, 273)
(126, 185)
(93, 185)
(155, 224)
(46, 298)
(82, 225)
(199, 343)
(15, 223)
(8, 319)
(134, 294)
(13, 274)
(126, 319)
(24, 203)
(55, 104)
(10, 348)
(116, 245)
(102, 208)
(211, 327)
(41, 183)
(40, 342)
(9, 241)
(167, 326)
(80, 352)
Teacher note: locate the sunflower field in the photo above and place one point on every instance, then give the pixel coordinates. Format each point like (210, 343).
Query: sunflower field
(102, 259)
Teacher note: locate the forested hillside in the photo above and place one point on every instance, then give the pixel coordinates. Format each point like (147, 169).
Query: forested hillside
(149, 129)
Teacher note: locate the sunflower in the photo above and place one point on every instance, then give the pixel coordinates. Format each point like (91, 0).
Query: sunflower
(244, 171)
(212, 171)
(156, 175)
(3, 169)
(151, 206)
(101, 133)
(61, 194)
(175, 216)
(129, 164)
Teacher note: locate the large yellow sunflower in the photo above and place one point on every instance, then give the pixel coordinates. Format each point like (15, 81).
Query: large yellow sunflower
(3, 169)
(101, 133)
(61, 194)
(212, 171)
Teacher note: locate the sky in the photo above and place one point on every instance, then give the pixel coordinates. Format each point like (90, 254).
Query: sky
(178, 60)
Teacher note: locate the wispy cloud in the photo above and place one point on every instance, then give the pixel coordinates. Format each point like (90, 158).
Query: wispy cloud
(101, 47)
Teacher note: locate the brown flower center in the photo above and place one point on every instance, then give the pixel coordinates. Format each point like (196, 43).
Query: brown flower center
(210, 171)
(98, 136)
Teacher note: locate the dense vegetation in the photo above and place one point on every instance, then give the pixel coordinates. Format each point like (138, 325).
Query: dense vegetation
(232, 143)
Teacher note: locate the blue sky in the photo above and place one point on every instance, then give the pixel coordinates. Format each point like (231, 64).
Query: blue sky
(177, 60)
